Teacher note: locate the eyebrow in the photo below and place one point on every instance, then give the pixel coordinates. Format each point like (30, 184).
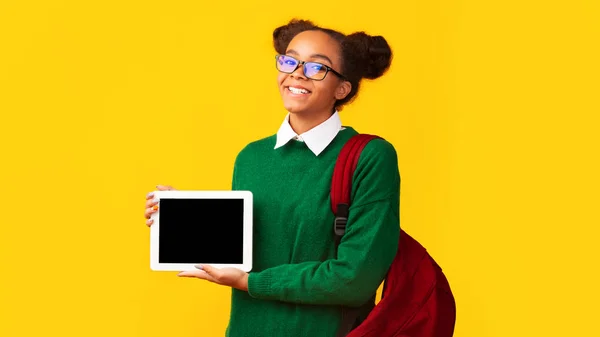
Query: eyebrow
(319, 56)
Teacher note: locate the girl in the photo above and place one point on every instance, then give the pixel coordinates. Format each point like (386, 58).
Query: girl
(300, 284)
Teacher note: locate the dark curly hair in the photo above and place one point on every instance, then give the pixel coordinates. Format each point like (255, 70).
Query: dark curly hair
(363, 55)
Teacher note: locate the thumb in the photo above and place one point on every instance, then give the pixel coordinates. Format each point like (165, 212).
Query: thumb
(164, 187)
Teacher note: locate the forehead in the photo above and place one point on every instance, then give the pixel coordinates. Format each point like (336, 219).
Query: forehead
(309, 45)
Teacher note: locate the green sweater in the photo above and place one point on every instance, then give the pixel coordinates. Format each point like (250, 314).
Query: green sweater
(298, 285)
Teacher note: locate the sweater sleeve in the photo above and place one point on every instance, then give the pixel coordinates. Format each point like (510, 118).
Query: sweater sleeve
(234, 175)
(365, 252)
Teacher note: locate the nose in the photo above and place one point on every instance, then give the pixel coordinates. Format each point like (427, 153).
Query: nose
(299, 72)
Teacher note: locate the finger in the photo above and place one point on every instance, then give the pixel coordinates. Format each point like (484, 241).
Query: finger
(150, 211)
(213, 272)
(149, 222)
(151, 202)
(201, 274)
(150, 195)
(164, 187)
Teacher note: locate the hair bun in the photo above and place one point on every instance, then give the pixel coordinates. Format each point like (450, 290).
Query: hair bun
(282, 35)
(374, 53)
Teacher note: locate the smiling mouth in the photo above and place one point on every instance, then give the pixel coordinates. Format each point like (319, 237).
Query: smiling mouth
(298, 91)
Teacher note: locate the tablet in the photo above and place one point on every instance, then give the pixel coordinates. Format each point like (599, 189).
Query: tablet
(201, 227)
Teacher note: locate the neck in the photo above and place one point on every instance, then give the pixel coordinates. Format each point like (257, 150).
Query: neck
(301, 123)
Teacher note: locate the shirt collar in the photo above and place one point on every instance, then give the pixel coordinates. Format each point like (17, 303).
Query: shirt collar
(316, 139)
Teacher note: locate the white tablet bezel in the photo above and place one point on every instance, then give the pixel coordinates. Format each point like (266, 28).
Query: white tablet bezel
(247, 240)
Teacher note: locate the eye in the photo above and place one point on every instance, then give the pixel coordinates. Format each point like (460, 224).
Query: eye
(316, 67)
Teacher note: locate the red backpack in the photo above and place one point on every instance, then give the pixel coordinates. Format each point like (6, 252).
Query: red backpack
(417, 300)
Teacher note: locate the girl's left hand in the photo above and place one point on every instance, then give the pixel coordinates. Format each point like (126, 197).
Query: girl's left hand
(230, 277)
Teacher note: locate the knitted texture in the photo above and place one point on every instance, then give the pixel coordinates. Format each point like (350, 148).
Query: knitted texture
(298, 285)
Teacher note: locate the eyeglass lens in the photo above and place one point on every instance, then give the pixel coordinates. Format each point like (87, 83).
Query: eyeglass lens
(313, 70)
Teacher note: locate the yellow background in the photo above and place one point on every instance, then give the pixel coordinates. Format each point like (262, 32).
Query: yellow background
(492, 106)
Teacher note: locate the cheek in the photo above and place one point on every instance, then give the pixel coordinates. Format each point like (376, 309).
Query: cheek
(280, 78)
(325, 89)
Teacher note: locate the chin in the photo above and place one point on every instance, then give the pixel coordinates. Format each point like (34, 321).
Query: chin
(295, 108)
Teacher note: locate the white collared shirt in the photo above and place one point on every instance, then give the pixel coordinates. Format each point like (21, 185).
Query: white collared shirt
(316, 139)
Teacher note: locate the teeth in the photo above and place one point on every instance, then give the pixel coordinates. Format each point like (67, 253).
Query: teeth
(297, 90)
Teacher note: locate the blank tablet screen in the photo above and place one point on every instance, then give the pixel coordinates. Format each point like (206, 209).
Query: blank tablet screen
(201, 231)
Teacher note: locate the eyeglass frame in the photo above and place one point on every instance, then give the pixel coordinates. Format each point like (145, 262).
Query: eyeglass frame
(302, 63)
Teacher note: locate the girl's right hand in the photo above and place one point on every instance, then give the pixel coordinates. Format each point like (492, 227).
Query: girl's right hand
(152, 205)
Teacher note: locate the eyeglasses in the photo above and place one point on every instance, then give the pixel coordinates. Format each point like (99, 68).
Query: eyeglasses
(313, 70)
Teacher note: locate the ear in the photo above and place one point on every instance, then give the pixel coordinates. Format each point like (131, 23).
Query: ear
(342, 90)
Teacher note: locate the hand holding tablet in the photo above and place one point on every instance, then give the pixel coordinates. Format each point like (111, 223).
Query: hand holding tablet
(152, 203)
(191, 228)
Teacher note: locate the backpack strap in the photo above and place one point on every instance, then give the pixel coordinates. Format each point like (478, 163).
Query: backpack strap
(341, 184)
(341, 194)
